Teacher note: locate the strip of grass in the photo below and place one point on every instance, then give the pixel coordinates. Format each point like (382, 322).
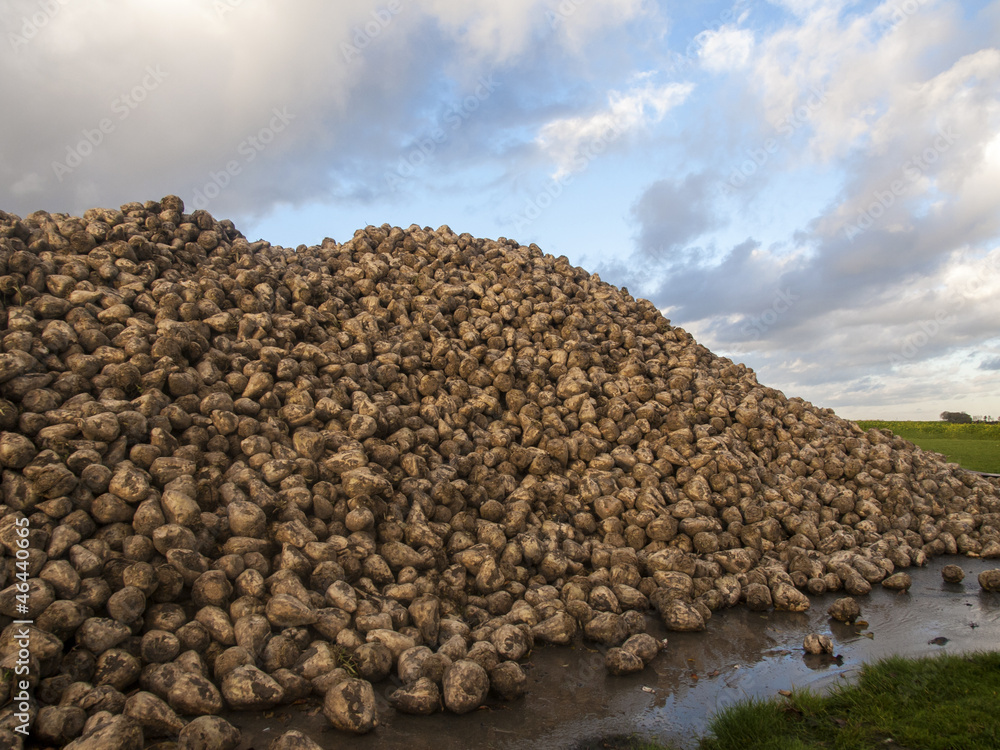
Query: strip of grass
(936, 703)
(972, 446)
(945, 702)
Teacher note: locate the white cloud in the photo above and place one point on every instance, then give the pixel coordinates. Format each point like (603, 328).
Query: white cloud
(905, 138)
(726, 48)
(920, 340)
(497, 33)
(489, 32)
(875, 68)
(360, 78)
(805, 7)
(571, 142)
(577, 22)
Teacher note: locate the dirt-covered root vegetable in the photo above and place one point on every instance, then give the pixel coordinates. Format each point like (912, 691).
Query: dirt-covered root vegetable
(238, 475)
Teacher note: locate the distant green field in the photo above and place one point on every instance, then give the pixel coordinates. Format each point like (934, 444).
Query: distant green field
(973, 446)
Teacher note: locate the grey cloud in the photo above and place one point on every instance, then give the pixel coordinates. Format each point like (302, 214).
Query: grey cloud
(869, 303)
(990, 364)
(209, 110)
(835, 321)
(673, 213)
(365, 87)
(834, 276)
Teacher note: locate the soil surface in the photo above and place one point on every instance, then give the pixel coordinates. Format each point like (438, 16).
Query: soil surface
(572, 700)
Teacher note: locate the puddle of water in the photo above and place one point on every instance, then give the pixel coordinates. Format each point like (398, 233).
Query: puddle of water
(742, 653)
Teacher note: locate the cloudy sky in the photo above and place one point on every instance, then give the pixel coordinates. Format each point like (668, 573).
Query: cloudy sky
(808, 186)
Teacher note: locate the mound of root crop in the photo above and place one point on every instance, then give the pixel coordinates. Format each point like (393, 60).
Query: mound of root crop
(237, 475)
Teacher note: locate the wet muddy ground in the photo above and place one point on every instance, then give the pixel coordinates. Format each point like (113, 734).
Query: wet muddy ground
(572, 700)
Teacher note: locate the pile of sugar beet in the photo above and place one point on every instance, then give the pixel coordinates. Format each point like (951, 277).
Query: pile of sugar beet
(253, 475)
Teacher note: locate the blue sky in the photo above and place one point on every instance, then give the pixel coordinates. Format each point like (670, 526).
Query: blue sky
(808, 186)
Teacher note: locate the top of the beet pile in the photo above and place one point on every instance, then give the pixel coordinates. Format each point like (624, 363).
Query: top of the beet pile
(415, 452)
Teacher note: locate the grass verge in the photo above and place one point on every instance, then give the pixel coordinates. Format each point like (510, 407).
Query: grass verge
(935, 703)
(947, 702)
(973, 446)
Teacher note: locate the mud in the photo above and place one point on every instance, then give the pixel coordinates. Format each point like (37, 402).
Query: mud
(572, 700)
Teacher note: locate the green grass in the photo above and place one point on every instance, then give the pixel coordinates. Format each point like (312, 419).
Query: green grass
(973, 446)
(947, 702)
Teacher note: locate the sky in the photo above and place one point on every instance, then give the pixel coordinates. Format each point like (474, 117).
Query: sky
(807, 186)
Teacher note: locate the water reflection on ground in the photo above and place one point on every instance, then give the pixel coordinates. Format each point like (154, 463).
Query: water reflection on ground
(742, 654)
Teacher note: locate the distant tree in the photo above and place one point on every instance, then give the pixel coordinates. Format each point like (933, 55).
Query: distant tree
(956, 417)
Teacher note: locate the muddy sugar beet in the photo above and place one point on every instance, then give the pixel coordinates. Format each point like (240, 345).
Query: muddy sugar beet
(252, 476)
